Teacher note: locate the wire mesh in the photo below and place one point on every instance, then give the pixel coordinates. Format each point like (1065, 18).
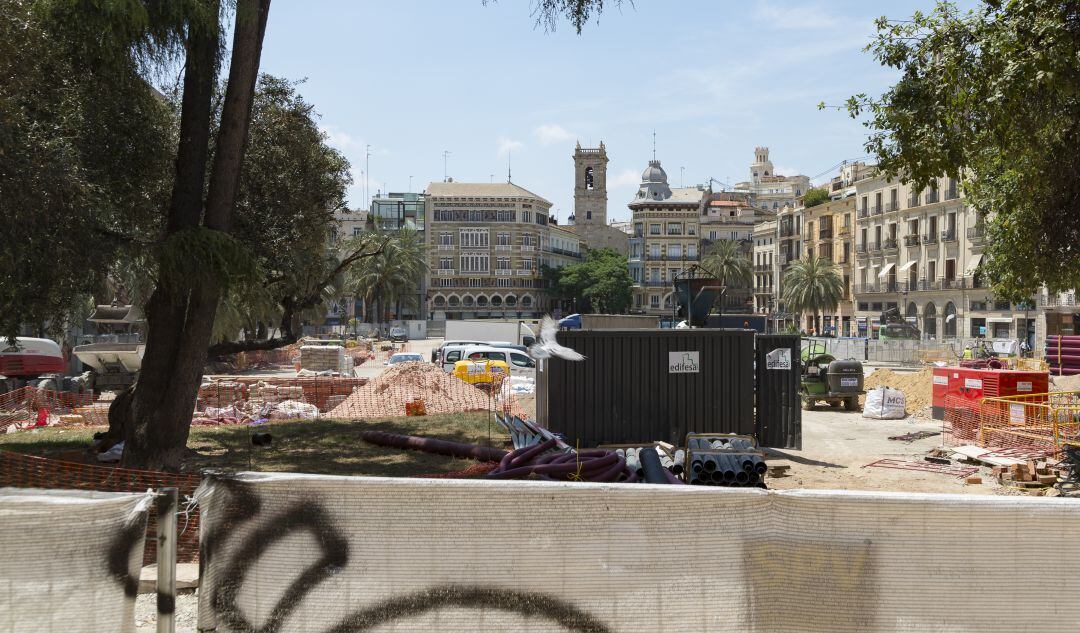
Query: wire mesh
(1040, 423)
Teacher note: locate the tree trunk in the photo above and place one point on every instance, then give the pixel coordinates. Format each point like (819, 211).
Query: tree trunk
(180, 320)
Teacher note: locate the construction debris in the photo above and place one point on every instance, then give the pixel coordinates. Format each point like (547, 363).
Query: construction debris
(405, 383)
(913, 436)
(319, 358)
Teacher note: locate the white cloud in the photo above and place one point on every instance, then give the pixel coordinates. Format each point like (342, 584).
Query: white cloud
(787, 171)
(507, 145)
(795, 17)
(625, 178)
(337, 138)
(550, 133)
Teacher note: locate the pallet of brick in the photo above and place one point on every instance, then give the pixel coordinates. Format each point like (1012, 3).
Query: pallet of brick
(220, 394)
(322, 357)
(276, 393)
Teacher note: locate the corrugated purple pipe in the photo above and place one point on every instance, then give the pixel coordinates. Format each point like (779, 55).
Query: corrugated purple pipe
(431, 445)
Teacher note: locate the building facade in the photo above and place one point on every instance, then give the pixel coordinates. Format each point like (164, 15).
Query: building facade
(589, 219)
(769, 190)
(763, 257)
(919, 251)
(828, 233)
(486, 242)
(665, 241)
(395, 211)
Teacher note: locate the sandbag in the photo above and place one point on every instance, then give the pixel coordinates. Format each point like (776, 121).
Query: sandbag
(884, 403)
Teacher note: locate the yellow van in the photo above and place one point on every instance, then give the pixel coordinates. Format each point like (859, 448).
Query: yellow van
(481, 372)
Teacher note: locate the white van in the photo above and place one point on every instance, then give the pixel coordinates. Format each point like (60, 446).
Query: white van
(518, 361)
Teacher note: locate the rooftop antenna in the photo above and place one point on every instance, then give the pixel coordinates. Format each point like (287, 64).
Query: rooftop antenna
(445, 153)
(654, 144)
(367, 174)
(681, 170)
(410, 184)
(491, 178)
(507, 166)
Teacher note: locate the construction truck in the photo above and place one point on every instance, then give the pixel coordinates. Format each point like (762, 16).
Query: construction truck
(895, 327)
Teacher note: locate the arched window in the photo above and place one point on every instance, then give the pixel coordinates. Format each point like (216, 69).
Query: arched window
(467, 301)
(511, 301)
(930, 321)
(950, 320)
(496, 301)
(481, 301)
(440, 301)
(454, 301)
(912, 310)
(588, 215)
(588, 178)
(526, 301)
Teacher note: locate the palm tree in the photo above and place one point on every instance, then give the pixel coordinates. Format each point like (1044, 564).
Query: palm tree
(393, 275)
(812, 284)
(730, 265)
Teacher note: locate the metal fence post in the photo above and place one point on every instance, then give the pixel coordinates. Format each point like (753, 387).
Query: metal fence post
(166, 560)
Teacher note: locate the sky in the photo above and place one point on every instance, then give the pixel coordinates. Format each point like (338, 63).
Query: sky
(414, 79)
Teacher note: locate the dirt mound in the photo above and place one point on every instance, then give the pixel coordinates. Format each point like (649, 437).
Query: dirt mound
(918, 387)
(1065, 383)
(387, 395)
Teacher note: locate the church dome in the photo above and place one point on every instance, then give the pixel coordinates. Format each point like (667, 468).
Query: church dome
(654, 173)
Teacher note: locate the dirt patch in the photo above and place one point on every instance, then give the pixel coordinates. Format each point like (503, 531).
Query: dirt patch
(918, 387)
(1065, 383)
(404, 383)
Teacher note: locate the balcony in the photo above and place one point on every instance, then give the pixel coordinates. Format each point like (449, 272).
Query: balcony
(889, 286)
(656, 284)
(864, 213)
(911, 240)
(951, 193)
(503, 247)
(892, 206)
(876, 210)
(952, 284)
(844, 231)
(787, 231)
(929, 238)
(912, 202)
(524, 273)
(948, 235)
(500, 272)
(933, 197)
(527, 248)
(825, 234)
(444, 271)
(762, 268)
(860, 248)
(875, 247)
(977, 233)
(890, 244)
(446, 247)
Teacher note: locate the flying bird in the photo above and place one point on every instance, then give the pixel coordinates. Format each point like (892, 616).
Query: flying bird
(548, 347)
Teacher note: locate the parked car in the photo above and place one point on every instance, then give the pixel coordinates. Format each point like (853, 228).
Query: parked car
(517, 360)
(398, 335)
(405, 357)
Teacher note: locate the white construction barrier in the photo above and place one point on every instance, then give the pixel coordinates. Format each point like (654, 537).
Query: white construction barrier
(70, 560)
(320, 553)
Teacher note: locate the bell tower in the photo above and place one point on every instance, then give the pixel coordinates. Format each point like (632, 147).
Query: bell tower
(590, 185)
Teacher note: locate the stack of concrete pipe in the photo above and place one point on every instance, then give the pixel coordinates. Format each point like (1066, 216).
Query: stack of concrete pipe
(725, 462)
(665, 469)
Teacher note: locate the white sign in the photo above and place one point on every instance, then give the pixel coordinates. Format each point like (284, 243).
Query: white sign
(849, 382)
(941, 380)
(1023, 386)
(973, 383)
(1016, 414)
(684, 362)
(779, 358)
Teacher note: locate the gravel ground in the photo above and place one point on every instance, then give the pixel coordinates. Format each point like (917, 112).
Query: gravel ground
(186, 612)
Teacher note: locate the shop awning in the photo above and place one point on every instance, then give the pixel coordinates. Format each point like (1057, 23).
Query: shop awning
(973, 265)
(906, 267)
(885, 271)
(999, 320)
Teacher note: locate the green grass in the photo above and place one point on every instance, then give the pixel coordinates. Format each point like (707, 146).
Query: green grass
(324, 446)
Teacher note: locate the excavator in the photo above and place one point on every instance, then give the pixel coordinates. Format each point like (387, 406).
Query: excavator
(895, 328)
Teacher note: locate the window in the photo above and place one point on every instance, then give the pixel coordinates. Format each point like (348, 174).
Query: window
(503, 239)
(654, 229)
(588, 178)
(502, 263)
(654, 251)
(446, 263)
(847, 220)
(691, 251)
(674, 228)
(474, 263)
(474, 238)
(528, 240)
(446, 239)
(654, 301)
(521, 360)
(357, 231)
(865, 204)
(654, 275)
(950, 269)
(931, 270)
(526, 216)
(526, 264)
(894, 202)
(674, 250)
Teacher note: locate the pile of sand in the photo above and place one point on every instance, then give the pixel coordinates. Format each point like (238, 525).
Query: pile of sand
(1064, 383)
(918, 387)
(387, 395)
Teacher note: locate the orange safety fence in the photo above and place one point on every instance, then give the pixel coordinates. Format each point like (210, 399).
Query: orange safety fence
(22, 408)
(1037, 423)
(27, 471)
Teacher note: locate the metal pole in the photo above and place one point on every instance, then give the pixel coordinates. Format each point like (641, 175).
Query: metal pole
(166, 560)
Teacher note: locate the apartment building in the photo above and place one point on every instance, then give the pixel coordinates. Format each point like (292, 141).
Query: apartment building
(730, 216)
(919, 251)
(664, 241)
(763, 256)
(485, 243)
(348, 223)
(843, 184)
(828, 234)
(565, 247)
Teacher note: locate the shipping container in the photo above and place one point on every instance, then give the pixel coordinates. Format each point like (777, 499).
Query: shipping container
(642, 385)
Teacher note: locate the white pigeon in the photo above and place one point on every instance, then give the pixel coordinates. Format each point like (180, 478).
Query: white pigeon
(548, 347)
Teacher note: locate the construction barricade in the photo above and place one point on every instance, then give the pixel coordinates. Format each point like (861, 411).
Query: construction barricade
(71, 559)
(1033, 424)
(28, 407)
(324, 553)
